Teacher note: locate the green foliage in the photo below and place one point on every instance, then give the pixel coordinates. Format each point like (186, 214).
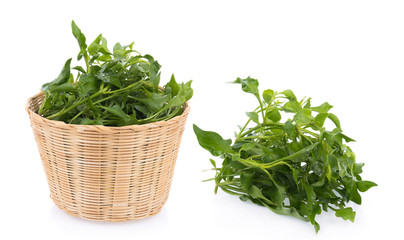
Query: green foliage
(116, 88)
(212, 142)
(294, 167)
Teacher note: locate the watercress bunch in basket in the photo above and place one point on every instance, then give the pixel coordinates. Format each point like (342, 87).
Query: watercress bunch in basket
(114, 88)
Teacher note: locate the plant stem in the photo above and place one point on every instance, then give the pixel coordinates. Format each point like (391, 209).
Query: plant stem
(125, 88)
(165, 118)
(228, 187)
(257, 127)
(104, 99)
(156, 114)
(242, 130)
(262, 110)
(230, 192)
(87, 60)
(76, 105)
(259, 137)
(78, 114)
(310, 132)
(42, 105)
(101, 91)
(290, 156)
(245, 125)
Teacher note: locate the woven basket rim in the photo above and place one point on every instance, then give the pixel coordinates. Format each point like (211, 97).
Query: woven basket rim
(102, 127)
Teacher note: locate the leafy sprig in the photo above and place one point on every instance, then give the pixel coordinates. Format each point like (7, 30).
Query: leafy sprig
(295, 167)
(116, 88)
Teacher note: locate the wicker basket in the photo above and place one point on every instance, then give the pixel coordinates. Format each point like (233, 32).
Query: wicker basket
(108, 173)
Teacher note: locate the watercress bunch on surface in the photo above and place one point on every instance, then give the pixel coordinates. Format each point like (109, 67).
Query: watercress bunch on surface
(284, 158)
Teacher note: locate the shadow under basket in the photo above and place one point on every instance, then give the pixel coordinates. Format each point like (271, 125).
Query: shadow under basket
(105, 173)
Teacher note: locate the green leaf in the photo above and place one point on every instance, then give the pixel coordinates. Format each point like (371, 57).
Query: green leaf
(89, 84)
(358, 168)
(136, 60)
(267, 95)
(346, 214)
(117, 48)
(81, 39)
(295, 174)
(130, 46)
(155, 103)
(67, 87)
(249, 85)
(333, 136)
(288, 211)
(154, 71)
(323, 108)
(312, 210)
(117, 110)
(212, 142)
(71, 78)
(274, 115)
(246, 179)
(104, 48)
(256, 193)
(320, 182)
(290, 129)
(109, 78)
(311, 195)
(308, 103)
(303, 117)
(316, 226)
(141, 108)
(62, 78)
(295, 156)
(184, 94)
(320, 119)
(363, 186)
(79, 68)
(352, 190)
(253, 116)
(292, 106)
(91, 61)
(213, 162)
(95, 47)
(334, 119)
(244, 198)
(120, 53)
(288, 108)
(347, 139)
(104, 58)
(333, 164)
(289, 95)
(173, 85)
(342, 169)
(295, 146)
(295, 106)
(247, 147)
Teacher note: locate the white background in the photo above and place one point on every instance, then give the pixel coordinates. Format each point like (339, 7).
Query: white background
(349, 53)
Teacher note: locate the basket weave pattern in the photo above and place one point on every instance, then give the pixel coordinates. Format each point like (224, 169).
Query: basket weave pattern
(108, 173)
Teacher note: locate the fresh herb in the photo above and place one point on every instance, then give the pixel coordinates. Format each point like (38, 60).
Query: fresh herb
(115, 88)
(294, 167)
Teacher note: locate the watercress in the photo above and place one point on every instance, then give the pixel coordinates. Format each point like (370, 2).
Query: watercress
(293, 167)
(115, 88)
